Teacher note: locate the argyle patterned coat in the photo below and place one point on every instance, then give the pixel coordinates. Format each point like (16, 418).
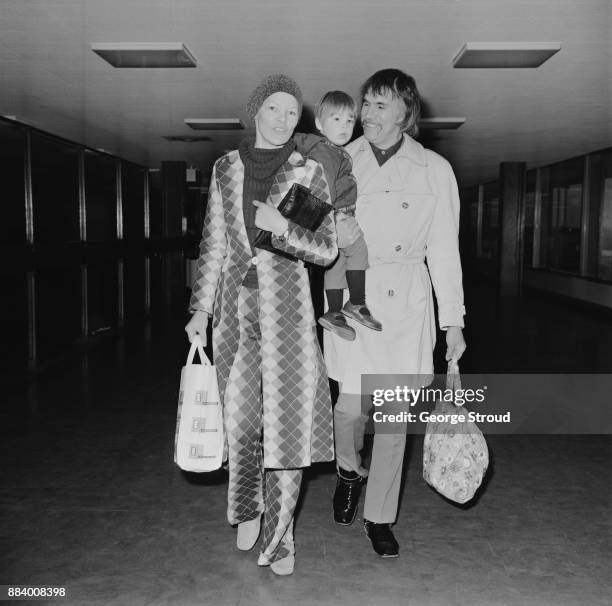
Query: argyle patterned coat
(297, 414)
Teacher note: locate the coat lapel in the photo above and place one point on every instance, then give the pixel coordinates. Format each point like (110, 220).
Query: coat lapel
(231, 181)
(365, 166)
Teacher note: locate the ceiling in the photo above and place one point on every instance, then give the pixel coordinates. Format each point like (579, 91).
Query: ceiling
(50, 77)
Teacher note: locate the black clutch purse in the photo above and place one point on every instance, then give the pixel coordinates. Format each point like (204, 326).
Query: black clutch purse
(301, 207)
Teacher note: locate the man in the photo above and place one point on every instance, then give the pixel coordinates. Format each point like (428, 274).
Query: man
(408, 209)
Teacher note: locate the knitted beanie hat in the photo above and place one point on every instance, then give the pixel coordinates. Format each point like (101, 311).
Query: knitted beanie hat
(276, 83)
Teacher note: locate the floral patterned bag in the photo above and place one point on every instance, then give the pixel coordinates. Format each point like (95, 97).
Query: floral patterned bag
(455, 456)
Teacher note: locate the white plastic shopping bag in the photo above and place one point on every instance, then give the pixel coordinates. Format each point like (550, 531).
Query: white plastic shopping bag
(199, 440)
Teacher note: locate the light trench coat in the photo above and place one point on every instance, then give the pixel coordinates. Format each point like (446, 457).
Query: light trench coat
(408, 209)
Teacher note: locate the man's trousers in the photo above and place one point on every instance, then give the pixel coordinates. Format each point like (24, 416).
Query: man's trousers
(252, 489)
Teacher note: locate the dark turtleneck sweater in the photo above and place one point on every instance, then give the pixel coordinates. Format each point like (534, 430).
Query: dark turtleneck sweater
(260, 166)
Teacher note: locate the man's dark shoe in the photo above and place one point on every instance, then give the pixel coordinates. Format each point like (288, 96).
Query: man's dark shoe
(382, 539)
(346, 496)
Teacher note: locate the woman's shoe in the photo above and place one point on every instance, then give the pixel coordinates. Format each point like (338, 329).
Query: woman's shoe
(248, 533)
(283, 567)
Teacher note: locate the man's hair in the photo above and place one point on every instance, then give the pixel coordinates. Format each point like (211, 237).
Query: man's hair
(335, 100)
(401, 86)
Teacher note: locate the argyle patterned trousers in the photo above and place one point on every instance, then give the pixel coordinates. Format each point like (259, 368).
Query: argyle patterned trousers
(252, 489)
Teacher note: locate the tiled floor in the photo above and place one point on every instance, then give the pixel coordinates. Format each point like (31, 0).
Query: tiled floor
(92, 501)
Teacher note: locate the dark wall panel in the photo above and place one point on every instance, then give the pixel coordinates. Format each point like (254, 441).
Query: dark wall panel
(100, 197)
(490, 221)
(55, 190)
(174, 279)
(12, 204)
(134, 288)
(58, 309)
(604, 239)
(14, 310)
(155, 205)
(173, 197)
(102, 295)
(132, 194)
(157, 284)
(563, 199)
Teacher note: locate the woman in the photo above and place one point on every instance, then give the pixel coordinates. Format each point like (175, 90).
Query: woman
(272, 377)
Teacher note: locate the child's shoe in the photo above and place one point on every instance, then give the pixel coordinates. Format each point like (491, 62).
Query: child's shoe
(336, 323)
(361, 314)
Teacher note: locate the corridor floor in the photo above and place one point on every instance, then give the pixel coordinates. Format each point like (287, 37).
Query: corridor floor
(92, 501)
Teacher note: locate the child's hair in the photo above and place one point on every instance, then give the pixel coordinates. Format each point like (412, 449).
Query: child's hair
(335, 100)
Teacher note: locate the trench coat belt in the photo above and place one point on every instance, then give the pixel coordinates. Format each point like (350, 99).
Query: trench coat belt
(400, 260)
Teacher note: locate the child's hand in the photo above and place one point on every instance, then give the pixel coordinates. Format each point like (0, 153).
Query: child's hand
(347, 229)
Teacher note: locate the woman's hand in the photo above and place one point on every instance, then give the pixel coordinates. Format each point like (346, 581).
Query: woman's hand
(268, 217)
(197, 326)
(455, 343)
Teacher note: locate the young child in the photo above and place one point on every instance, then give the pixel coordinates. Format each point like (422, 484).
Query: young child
(335, 119)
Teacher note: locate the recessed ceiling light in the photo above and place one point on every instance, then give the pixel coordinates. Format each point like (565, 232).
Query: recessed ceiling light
(145, 54)
(187, 138)
(505, 54)
(440, 123)
(214, 123)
